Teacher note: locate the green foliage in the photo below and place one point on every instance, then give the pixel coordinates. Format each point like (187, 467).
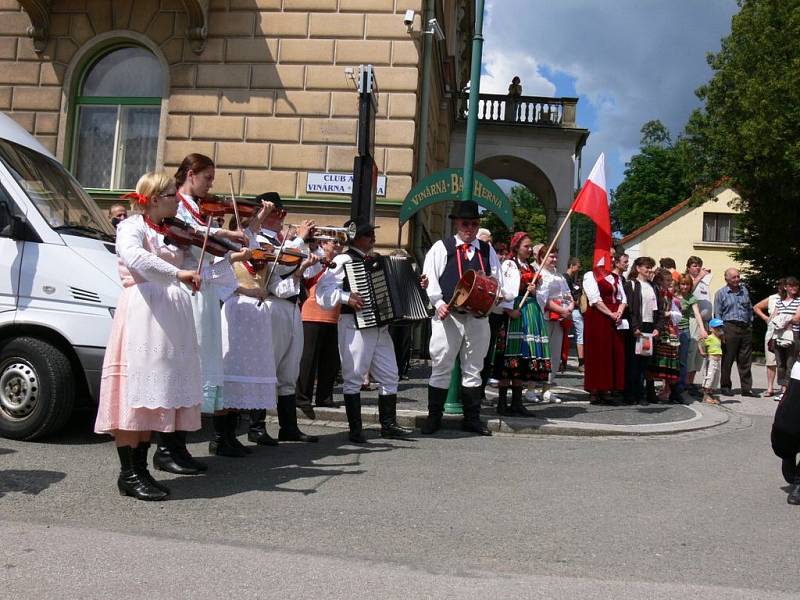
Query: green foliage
(529, 216)
(749, 130)
(656, 179)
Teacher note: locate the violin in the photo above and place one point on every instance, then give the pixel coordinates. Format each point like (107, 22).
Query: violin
(267, 254)
(217, 206)
(178, 233)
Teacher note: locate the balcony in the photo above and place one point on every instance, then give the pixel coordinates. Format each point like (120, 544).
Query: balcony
(529, 111)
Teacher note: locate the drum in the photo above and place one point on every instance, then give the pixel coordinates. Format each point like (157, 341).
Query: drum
(475, 294)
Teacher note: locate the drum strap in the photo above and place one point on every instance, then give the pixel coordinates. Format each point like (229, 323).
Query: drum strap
(461, 251)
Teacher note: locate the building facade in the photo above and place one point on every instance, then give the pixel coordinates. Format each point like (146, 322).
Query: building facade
(263, 87)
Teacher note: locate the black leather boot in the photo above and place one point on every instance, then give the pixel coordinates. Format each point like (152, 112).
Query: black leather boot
(436, 399)
(352, 405)
(140, 465)
(184, 452)
(169, 455)
(789, 469)
(502, 401)
(131, 482)
(387, 415)
(287, 418)
(257, 432)
(471, 401)
(517, 407)
(221, 444)
(233, 428)
(794, 493)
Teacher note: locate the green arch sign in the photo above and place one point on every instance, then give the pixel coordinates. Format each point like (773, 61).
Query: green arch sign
(447, 185)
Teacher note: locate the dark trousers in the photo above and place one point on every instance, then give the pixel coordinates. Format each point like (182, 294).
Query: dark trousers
(738, 347)
(495, 321)
(320, 361)
(635, 366)
(401, 340)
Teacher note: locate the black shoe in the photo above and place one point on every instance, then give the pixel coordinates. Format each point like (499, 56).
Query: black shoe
(726, 392)
(140, 466)
(261, 437)
(789, 469)
(436, 399)
(329, 403)
(471, 402)
(169, 456)
(287, 419)
(308, 411)
(132, 481)
(748, 393)
(794, 494)
(233, 438)
(517, 408)
(502, 401)
(476, 427)
(387, 416)
(221, 444)
(186, 456)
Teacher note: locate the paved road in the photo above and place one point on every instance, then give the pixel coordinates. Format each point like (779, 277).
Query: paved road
(699, 515)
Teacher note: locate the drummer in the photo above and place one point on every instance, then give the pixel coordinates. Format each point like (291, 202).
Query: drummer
(453, 333)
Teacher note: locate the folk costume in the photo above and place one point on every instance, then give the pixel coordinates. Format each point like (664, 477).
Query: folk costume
(604, 350)
(362, 351)
(522, 351)
(247, 359)
(459, 334)
(665, 364)
(284, 288)
(320, 360)
(554, 288)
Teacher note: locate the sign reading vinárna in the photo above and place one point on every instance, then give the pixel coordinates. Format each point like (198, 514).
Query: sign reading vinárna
(338, 183)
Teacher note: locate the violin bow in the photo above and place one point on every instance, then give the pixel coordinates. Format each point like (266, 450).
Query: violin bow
(274, 264)
(235, 206)
(203, 251)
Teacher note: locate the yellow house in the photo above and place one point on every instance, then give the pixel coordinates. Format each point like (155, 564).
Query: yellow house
(708, 230)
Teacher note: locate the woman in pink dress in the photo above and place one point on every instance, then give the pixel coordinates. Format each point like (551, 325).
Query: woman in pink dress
(151, 372)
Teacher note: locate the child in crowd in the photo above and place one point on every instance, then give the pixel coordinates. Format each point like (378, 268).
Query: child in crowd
(711, 349)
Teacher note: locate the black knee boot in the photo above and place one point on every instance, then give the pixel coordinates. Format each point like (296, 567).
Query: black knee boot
(132, 481)
(221, 444)
(794, 493)
(257, 432)
(517, 407)
(471, 401)
(387, 415)
(352, 405)
(140, 465)
(502, 400)
(287, 418)
(436, 399)
(233, 426)
(172, 456)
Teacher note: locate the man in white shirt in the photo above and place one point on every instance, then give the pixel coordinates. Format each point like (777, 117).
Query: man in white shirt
(458, 334)
(287, 329)
(362, 351)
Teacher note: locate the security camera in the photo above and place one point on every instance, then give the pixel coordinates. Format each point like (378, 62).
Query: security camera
(436, 29)
(408, 20)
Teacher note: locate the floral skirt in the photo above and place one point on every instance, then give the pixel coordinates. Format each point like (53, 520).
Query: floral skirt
(665, 364)
(522, 350)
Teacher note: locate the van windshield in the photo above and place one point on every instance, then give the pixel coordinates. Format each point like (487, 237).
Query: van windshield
(55, 193)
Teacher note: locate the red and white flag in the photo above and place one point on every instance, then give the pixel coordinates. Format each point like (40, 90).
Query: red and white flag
(592, 201)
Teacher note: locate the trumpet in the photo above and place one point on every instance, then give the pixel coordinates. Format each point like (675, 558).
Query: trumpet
(338, 234)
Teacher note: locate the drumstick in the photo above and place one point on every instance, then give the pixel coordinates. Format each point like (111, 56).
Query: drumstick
(203, 251)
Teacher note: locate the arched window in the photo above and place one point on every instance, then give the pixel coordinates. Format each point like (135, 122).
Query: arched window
(117, 112)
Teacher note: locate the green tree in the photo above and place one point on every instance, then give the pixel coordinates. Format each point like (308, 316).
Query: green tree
(529, 216)
(655, 180)
(749, 130)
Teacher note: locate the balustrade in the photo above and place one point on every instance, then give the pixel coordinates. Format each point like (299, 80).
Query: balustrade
(523, 110)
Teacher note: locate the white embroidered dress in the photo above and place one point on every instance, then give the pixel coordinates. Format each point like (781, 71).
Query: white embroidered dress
(151, 371)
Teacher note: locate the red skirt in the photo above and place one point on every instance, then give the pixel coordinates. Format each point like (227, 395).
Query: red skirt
(603, 353)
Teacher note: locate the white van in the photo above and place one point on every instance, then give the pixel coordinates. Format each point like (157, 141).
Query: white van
(58, 288)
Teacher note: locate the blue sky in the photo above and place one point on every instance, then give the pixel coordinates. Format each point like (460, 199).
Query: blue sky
(628, 61)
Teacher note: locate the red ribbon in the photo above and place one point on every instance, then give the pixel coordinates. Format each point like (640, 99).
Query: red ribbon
(197, 216)
(140, 198)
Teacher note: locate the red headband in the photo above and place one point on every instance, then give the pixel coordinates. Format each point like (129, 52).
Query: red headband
(516, 240)
(140, 198)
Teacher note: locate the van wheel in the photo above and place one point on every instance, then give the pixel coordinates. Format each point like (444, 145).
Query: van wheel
(37, 389)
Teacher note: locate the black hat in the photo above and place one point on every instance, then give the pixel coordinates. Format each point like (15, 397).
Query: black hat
(363, 227)
(273, 197)
(466, 209)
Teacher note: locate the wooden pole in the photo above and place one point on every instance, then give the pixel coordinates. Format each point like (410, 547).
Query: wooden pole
(549, 250)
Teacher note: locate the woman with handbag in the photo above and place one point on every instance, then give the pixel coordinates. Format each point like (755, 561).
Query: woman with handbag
(785, 323)
(765, 310)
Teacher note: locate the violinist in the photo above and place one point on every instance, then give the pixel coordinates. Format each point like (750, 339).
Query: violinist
(320, 359)
(151, 371)
(247, 356)
(284, 286)
(194, 178)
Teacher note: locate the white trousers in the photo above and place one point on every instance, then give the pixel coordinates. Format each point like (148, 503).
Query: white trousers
(555, 334)
(365, 351)
(463, 336)
(287, 343)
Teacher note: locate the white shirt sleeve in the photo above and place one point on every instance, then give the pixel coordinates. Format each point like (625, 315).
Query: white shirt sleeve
(507, 290)
(330, 291)
(435, 262)
(130, 248)
(590, 288)
(510, 278)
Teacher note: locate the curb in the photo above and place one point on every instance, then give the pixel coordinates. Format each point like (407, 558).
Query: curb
(705, 417)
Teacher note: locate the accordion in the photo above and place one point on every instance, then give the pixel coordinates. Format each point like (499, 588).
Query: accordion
(390, 290)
